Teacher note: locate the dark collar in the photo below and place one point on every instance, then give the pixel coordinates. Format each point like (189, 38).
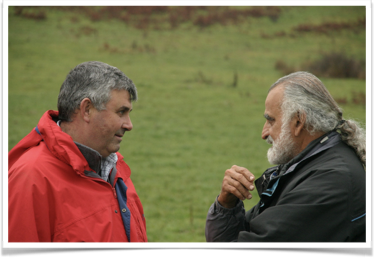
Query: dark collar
(316, 146)
(322, 143)
(93, 157)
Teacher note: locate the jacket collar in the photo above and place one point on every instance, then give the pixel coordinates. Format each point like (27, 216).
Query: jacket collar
(97, 163)
(92, 156)
(316, 146)
(61, 145)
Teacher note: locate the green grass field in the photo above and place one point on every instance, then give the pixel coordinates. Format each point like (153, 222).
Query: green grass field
(190, 122)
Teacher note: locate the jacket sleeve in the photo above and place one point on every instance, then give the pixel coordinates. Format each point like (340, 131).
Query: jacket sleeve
(223, 225)
(29, 216)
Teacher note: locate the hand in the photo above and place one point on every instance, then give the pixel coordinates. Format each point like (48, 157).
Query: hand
(237, 183)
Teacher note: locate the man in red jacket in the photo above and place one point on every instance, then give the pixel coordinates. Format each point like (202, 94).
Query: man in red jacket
(67, 182)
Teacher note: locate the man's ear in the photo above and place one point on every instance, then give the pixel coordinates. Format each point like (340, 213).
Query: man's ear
(299, 123)
(85, 109)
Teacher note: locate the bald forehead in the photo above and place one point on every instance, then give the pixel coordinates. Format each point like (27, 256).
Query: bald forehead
(275, 96)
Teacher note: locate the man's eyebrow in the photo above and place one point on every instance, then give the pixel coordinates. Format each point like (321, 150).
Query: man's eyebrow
(267, 117)
(124, 108)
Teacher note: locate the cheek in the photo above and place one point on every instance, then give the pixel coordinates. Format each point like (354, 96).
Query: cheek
(275, 132)
(108, 131)
(109, 127)
(106, 125)
(101, 127)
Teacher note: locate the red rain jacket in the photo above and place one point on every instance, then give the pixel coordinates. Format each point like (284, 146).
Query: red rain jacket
(54, 198)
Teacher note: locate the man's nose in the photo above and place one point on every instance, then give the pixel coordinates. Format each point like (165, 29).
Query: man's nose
(265, 132)
(127, 124)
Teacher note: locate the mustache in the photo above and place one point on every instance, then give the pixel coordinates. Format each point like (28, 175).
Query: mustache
(269, 140)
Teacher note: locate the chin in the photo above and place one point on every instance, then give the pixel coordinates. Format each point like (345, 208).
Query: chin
(115, 150)
(275, 158)
(112, 150)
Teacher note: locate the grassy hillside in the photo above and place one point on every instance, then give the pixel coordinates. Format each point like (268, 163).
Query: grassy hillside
(202, 75)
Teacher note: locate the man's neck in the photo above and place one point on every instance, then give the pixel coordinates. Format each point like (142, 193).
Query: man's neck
(306, 139)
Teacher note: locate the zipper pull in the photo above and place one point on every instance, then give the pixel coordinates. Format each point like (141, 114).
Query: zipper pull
(114, 192)
(264, 181)
(324, 139)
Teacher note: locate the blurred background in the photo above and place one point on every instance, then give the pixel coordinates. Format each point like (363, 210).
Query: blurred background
(202, 74)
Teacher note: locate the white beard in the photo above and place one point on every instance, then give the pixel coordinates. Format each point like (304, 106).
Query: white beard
(283, 150)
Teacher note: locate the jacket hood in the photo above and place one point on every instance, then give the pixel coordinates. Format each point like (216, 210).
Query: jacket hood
(59, 143)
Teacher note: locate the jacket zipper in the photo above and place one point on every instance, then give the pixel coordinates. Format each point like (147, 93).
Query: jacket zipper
(114, 192)
(113, 188)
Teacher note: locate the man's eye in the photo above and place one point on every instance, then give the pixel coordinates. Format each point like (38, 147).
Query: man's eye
(270, 121)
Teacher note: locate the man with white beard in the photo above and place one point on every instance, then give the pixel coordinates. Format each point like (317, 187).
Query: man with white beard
(316, 193)
(282, 150)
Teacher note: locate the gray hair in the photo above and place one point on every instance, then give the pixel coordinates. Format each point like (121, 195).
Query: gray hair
(94, 80)
(305, 94)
